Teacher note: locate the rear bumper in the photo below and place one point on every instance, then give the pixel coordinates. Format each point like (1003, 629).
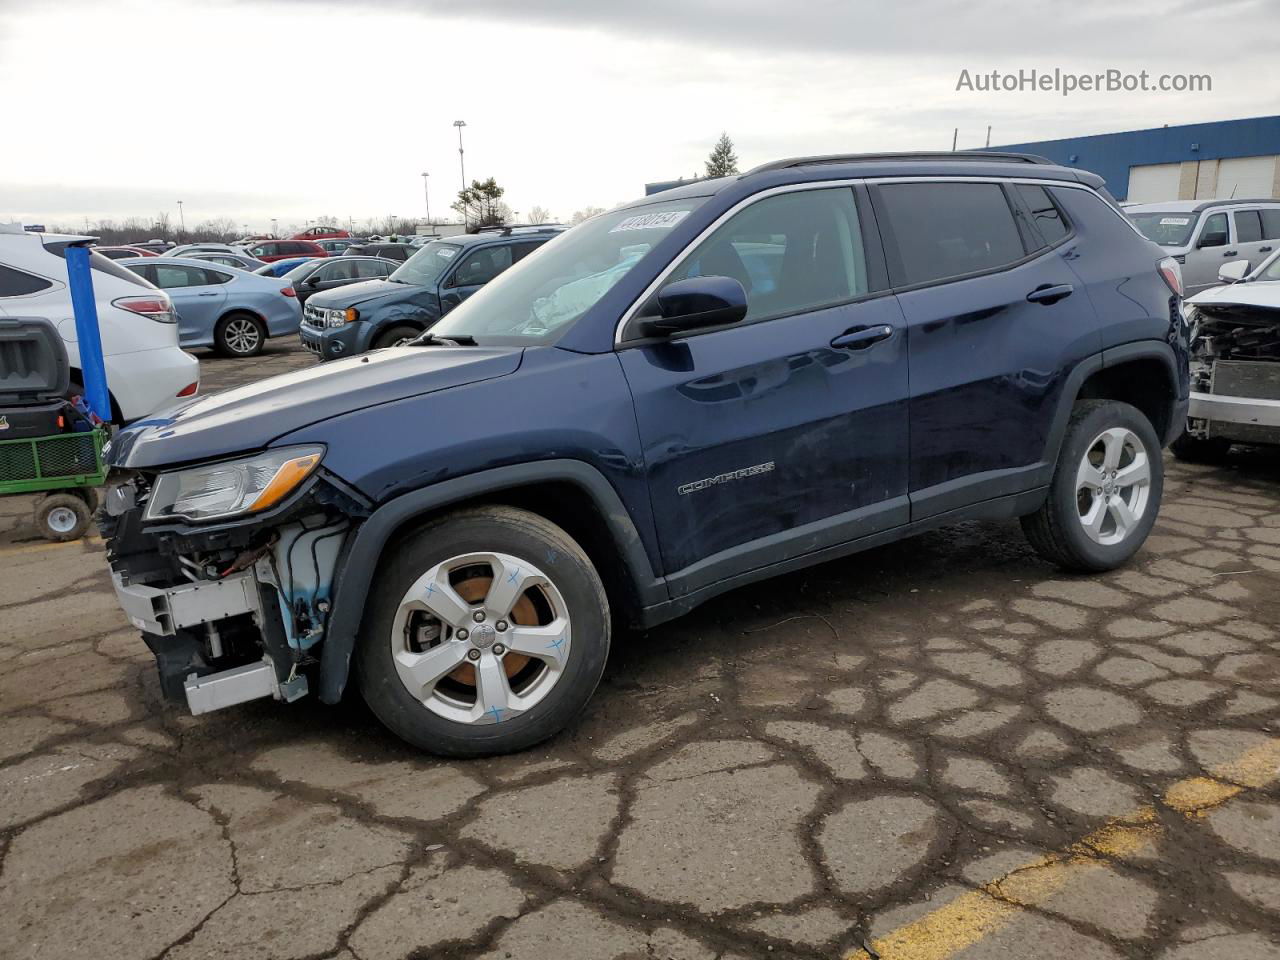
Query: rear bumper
(145, 381)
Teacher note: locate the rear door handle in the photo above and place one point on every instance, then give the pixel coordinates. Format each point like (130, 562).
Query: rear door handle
(1264, 249)
(212, 294)
(861, 339)
(1050, 293)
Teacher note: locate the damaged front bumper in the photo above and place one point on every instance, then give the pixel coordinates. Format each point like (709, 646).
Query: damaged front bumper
(232, 612)
(172, 621)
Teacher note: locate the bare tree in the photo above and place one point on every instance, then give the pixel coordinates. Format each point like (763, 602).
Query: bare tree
(586, 213)
(540, 215)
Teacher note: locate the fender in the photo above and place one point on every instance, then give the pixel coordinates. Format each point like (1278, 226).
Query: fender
(360, 558)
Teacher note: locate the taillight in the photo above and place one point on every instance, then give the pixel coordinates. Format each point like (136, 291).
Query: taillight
(159, 309)
(289, 292)
(189, 390)
(1171, 273)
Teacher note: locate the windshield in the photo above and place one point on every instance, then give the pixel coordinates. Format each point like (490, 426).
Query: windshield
(541, 296)
(1167, 229)
(425, 267)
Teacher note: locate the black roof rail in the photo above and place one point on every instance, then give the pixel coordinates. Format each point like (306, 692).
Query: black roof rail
(974, 156)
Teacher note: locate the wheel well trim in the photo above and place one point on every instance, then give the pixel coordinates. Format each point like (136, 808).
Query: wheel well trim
(1107, 359)
(362, 553)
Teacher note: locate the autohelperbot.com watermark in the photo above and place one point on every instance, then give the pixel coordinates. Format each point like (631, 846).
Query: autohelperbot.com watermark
(1067, 82)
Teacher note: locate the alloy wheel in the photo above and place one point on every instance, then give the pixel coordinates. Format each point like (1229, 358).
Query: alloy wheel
(481, 638)
(1113, 485)
(242, 335)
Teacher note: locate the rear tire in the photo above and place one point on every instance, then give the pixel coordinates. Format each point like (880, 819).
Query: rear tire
(395, 336)
(1191, 449)
(239, 335)
(62, 517)
(445, 639)
(1092, 519)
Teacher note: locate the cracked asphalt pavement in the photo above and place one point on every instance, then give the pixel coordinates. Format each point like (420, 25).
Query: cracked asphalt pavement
(943, 748)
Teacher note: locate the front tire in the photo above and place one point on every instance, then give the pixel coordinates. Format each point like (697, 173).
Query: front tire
(239, 335)
(1105, 492)
(487, 632)
(394, 337)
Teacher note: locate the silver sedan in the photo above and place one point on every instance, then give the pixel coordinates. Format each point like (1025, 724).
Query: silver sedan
(222, 307)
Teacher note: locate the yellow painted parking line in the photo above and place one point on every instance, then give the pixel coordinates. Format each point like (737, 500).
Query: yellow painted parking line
(942, 933)
(53, 545)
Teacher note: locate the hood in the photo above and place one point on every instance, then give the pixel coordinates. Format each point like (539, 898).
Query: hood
(354, 294)
(249, 418)
(1255, 293)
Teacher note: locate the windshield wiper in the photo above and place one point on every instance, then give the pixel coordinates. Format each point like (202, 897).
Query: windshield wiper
(459, 340)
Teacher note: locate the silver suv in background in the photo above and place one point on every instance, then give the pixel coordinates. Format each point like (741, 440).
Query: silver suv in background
(1205, 234)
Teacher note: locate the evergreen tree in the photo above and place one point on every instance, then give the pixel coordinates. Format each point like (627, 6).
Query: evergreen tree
(723, 162)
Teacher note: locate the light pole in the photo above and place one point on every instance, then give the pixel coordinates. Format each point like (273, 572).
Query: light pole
(426, 195)
(462, 166)
(274, 230)
(182, 221)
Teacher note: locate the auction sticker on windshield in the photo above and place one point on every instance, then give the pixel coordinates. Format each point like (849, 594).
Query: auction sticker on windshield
(651, 221)
(1174, 221)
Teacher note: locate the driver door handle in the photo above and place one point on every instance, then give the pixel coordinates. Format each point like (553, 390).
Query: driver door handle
(1050, 293)
(1230, 253)
(861, 339)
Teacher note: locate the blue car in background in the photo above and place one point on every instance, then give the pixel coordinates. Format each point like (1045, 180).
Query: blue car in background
(279, 268)
(439, 276)
(222, 307)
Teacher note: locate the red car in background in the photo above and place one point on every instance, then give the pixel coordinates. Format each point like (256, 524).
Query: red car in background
(320, 233)
(269, 251)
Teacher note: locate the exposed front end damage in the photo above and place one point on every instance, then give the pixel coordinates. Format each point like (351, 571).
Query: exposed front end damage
(234, 611)
(1235, 373)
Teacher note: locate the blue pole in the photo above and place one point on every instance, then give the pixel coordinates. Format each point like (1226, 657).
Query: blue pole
(94, 371)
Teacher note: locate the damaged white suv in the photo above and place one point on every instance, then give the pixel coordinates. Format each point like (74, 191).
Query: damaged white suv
(1235, 362)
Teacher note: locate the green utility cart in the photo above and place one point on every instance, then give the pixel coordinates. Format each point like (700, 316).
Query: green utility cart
(49, 445)
(64, 469)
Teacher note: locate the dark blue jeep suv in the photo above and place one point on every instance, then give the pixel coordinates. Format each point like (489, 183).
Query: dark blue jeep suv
(714, 385)
(438, 277)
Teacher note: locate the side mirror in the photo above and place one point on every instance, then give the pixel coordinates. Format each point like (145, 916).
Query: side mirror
(1212, 240)
(1233, 272)
(696, 303)
(313, 281)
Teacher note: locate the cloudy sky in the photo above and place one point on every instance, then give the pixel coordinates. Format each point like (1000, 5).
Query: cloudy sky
(254, 109)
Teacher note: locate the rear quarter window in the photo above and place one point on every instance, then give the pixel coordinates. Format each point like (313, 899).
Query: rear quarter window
(15, 283)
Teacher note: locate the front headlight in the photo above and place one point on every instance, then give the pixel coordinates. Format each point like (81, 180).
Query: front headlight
(339, 317)
(235, 487)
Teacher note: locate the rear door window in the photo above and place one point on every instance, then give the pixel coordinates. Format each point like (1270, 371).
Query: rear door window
(1270, 224)
(1248, 226)
(948, 230)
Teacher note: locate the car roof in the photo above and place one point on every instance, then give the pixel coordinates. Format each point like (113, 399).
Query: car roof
(177, 261)
(973, 163)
